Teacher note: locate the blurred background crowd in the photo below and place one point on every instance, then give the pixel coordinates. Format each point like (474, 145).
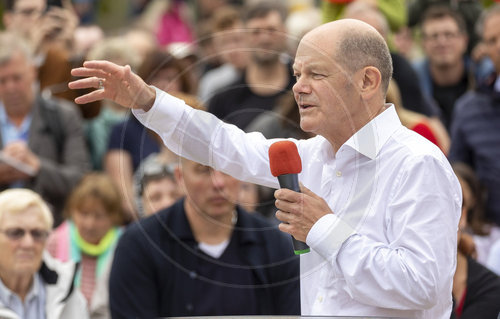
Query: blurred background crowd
(79, 175)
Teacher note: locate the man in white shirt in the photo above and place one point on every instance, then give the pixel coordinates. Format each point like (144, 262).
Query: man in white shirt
(379, 206)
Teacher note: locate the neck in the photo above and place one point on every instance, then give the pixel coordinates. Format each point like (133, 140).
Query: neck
(16, 118)
(267, 79)
(17, 114)
(207, 229)
(20, 285)
(447, 75)
(350, 126)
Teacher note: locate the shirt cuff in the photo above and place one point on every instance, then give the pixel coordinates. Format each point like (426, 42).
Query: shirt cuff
(165, 106)
(327, 236)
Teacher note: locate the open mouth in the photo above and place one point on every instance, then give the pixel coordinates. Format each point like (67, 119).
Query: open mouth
(305, 106)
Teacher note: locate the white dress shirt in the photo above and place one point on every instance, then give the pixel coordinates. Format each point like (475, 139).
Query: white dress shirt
(389, 249)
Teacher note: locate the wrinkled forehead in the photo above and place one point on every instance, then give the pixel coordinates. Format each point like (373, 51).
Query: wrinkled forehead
(313, 53)
(318, 43)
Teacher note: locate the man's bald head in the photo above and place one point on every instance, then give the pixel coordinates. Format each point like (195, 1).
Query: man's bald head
(353, 44)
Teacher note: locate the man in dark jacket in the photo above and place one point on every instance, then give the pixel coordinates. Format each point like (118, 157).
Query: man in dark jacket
(42, 145)
(204, 256)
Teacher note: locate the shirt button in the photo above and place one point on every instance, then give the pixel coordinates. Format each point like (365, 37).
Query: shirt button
(339, 173)
(320, 298)
(189, 307)
(193, 274)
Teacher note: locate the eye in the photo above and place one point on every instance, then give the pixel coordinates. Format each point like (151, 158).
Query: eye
(39, 234)
(202, 169)
(317, 76)
(296, 75)
(15, 233)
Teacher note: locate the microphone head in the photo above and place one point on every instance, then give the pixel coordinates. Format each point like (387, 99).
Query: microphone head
(284, 158)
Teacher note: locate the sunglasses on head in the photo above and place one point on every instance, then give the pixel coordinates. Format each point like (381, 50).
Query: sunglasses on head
(38, 235)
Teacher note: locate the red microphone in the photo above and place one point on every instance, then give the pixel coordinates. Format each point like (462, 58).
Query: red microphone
(285, 164)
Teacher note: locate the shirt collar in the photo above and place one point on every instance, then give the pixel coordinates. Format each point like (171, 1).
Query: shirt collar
(6, 294)
(370, 139)
(5, 121)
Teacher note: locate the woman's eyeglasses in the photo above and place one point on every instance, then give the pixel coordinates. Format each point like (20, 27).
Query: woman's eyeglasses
(38, 235)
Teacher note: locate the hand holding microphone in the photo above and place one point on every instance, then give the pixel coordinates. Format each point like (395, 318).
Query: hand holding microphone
(285, 164)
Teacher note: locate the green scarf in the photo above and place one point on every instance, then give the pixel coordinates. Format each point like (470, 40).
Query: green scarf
(103, 250)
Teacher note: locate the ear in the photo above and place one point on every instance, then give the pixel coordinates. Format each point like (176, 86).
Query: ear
(371, 80)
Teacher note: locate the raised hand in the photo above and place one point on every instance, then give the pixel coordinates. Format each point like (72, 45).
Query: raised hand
(19, 152)
(113, 82)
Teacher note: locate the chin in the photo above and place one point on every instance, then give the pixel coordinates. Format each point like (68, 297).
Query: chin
(306, 126)
(27, 268)
(220, 211)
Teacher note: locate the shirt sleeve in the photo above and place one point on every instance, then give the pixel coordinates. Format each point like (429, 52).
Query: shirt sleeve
(203, 138)
(417, 262)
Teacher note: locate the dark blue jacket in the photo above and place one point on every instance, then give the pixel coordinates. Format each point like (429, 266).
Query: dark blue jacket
(154, 270)
(475, 136)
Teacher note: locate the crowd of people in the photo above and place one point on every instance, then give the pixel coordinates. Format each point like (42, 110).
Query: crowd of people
(170, 209)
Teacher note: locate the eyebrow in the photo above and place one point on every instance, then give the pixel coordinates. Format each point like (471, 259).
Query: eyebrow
(310, 66)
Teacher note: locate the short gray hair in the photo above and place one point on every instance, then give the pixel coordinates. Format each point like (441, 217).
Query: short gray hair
(359, 49)
(12, 44)
(485, 15)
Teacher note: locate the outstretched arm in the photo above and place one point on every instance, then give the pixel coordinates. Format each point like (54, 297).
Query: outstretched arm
(194, 134)
(113, 82)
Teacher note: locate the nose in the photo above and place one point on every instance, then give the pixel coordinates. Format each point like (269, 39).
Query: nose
(218, 179)
(87, 222)
(27, 240)
(301, 87)
(10, 85)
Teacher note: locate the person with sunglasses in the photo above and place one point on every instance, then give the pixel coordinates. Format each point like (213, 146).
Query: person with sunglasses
(32, 284)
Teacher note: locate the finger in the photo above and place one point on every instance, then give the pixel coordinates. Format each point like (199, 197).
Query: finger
(86, 83)
(89, 72)
(93, 96)
(287, 195)
(16, 150)
(105, 66)
(282, 216)
(285, 206)
(286, 228)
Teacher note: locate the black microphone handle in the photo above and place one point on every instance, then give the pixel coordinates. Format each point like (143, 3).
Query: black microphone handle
(291, 181)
